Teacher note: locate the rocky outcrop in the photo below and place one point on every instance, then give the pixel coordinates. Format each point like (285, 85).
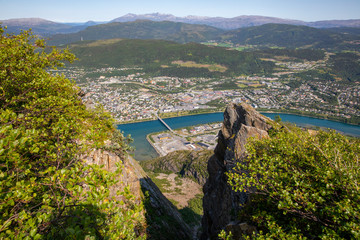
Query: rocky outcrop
(129, 175)
(157, 206)
(187, 163)
(221, 204)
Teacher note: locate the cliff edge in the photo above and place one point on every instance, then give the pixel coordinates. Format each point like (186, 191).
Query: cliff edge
(163, 221)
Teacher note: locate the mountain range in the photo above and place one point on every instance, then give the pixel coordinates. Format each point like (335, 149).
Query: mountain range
(236, 22)
(142, 29)
(42, 27)
(267, 35)
(292, 36)
(45, 28)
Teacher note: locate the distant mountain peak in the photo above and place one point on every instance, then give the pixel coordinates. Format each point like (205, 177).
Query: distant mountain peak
(43, 27)
(148, 16)
(40, 27)
(130, 15)
(160, 14)
(196, 17)
(235, 22)
(26, 22)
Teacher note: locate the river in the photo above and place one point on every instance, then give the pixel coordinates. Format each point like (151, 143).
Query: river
(145, 151)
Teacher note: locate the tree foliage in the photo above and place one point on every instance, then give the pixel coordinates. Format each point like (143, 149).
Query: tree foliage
(346, 66)
(301, 186)
(289, 36)
(45, 190)
(153, 55)
(142, 29)
(303, 54)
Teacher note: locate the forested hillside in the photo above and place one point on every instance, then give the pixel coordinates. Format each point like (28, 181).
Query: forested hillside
(142, 29)
(168, 58)
(267, 35)
(290, 36)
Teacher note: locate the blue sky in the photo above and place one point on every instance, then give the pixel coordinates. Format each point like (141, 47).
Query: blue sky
(105, 10)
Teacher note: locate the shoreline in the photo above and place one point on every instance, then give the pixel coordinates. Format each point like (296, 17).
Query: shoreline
(152, 144)
(155, 119)
(304, 114)
(298, 113)
(140, 133)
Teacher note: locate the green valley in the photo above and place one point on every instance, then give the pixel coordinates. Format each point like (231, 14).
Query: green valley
(67, 172)
(133, 78)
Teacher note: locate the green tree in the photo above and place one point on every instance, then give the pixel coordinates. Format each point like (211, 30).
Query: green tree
(277, 118)
(301, 186)
(45, 190)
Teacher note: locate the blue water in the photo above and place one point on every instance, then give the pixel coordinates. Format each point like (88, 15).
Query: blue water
(303, 121)
(144, 151)
(138, 131)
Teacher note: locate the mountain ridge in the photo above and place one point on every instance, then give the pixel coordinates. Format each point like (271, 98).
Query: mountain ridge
(142, 29)
(40, 26)
(46, 28)
(289, 36)
(267, 35)
(237, 22)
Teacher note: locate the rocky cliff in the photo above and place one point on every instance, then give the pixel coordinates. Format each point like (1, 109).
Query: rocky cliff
(187, 163)
(221, 204)
(163, 221)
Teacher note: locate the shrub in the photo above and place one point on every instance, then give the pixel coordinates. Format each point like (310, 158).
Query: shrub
(301, 185)
(45, 190)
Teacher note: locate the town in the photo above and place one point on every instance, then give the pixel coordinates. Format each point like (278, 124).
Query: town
(130, 95)
(132, 98)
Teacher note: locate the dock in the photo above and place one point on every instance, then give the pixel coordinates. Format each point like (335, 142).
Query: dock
(162, 121)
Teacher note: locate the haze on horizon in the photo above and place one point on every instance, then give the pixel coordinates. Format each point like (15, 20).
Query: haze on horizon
(106, 10)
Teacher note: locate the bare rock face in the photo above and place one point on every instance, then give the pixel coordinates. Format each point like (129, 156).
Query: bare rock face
(128, 177)
(157, 206)
(221, 204)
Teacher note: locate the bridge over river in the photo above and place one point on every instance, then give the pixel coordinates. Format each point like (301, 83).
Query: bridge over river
(163, 122)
